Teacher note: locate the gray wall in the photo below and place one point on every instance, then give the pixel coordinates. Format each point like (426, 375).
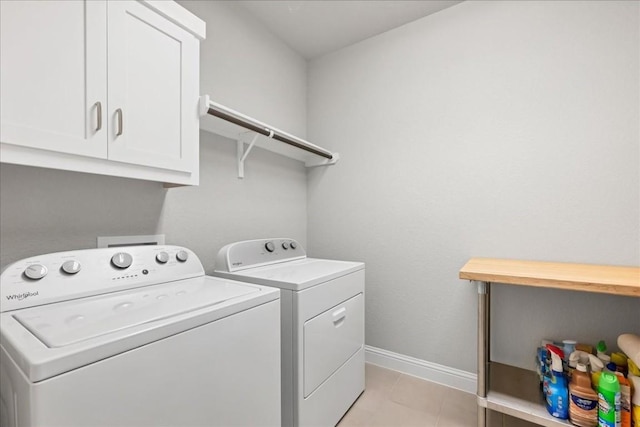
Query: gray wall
(45, 210)
(495, 129)
(247, 68)
(489, 129)
(269, 202)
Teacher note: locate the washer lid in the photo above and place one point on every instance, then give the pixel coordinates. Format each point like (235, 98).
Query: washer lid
(71, 322)
(109, 329)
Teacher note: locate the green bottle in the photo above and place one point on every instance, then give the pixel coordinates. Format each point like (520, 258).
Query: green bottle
(608, 400)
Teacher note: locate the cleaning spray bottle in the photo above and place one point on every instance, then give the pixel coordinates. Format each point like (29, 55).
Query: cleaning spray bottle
(634, 380)
(608, 400)
(555, 385)
(583, 400)
(625, 400)
(635, 402)
(595, 364)
(541, 367)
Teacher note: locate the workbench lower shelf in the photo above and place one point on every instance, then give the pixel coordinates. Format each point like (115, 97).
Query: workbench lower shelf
(516, 392)
(513, 391)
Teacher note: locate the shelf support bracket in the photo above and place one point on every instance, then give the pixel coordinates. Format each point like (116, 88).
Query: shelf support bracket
(242, 153)
(324, 162)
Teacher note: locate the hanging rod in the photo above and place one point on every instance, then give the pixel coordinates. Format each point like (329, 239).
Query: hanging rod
(212, 108)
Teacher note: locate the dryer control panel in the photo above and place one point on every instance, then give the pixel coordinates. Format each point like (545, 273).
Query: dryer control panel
(254, 253)
(63, 276)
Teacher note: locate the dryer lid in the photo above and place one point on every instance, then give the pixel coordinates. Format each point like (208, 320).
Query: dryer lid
(68, 323)
(295, 275)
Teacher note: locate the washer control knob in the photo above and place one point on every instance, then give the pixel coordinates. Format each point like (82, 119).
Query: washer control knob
(285, 245)
(182, 256)
(35, 271)
(270, 247)
(293, 245)
(71, 266)
(121, 260)
(162, 257)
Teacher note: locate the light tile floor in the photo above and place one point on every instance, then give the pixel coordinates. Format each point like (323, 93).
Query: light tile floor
(393, 399)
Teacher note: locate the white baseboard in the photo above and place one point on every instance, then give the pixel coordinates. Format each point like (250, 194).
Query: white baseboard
(451, 377)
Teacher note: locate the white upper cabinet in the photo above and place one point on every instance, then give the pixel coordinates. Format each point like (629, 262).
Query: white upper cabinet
(108, 87)
(53, 80)
(149, 100)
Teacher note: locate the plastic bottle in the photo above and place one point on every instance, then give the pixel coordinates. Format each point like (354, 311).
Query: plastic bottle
(635, 402)
(585, 358)
(601, 347)
(596, 371)
(630, 345)
(605, 358)
(568, 347)
(583, 400)
(585, 347)
(634, 380)
(580, 356)
(541, 358)
(621, 362)
(625, 400)
(595, 363)
(608, 400)
(595, 380)
(555, 386)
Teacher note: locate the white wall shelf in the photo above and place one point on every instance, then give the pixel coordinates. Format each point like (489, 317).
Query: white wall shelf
(250, 132)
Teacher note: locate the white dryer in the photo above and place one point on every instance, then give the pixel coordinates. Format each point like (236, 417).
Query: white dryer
(135, 336)
(322, 311)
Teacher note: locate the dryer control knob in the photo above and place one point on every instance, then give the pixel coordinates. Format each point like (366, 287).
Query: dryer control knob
(182, 256)
(293, 245)
(162, 257)
(71, 266)
(35, 271)
(285, 245)
(121, 260)
(269, 246)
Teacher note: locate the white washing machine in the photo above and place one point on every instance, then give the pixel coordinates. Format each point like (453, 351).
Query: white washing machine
(322, 311)
(135, 336)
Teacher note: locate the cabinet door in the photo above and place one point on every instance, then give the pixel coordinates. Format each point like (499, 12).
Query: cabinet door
(153, 89)
(54, 74)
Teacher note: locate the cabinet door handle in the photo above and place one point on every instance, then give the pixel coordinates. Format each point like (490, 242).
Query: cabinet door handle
(98, 107)
(119, 113)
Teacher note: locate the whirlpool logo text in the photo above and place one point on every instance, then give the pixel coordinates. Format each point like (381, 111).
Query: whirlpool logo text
(24, 295)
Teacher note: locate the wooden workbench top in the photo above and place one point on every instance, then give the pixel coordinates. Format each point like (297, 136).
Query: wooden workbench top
(606, 279)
